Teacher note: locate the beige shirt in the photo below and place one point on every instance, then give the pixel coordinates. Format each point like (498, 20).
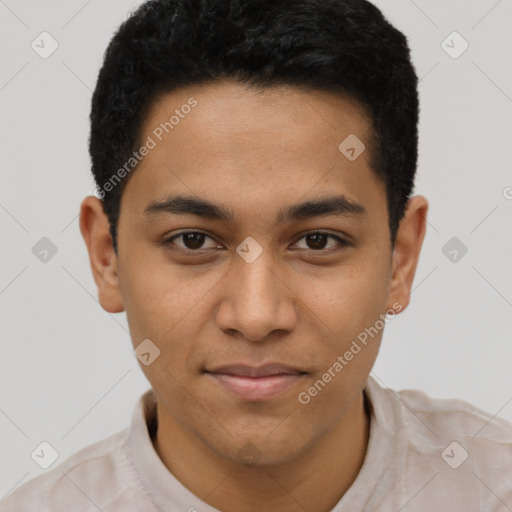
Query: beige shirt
(424, 454)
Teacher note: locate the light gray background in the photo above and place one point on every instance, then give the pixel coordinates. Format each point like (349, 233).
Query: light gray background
(68, 375)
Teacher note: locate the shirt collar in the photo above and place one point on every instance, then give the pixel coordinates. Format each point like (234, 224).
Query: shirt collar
(386, 448)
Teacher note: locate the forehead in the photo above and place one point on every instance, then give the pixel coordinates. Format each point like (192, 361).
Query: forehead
(251, 148)
(280, 117)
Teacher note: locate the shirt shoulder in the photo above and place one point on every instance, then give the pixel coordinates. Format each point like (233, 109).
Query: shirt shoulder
(459, 452)
(451, 417)
(92, 477)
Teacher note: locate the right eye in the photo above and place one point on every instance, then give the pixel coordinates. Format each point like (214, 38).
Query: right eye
(190, 241)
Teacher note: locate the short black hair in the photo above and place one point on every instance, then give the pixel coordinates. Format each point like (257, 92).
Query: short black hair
(345, 47)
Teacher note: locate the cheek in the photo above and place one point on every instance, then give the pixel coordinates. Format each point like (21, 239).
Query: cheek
(158, 296)
(348, 299)
(169, 306)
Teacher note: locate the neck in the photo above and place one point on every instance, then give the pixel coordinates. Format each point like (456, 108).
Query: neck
(315, 480)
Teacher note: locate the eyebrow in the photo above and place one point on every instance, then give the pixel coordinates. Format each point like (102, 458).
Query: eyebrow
(191, 205)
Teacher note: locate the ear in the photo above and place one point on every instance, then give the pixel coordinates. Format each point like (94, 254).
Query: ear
(94, 226)
(406, 253)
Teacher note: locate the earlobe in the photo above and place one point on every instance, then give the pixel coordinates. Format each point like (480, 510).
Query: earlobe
(406, 253)
(94, 226)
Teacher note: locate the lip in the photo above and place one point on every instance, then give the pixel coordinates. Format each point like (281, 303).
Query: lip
(256, 383)
(246, 370)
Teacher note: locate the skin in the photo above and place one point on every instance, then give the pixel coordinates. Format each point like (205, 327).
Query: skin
(255, 152)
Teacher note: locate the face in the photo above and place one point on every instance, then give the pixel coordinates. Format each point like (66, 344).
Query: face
(254, 253)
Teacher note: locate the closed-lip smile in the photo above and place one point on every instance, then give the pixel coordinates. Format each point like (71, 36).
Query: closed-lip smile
(255, 383)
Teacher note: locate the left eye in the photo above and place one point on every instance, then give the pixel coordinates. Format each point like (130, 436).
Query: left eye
(194, 240)
(318, 241)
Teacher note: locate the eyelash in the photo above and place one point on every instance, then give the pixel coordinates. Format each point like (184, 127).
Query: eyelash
(341, 242)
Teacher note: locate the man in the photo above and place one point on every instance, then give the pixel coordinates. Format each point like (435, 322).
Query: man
(255, 162)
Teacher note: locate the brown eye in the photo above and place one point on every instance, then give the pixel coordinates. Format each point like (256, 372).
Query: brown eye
(318, 241)
(191, 241)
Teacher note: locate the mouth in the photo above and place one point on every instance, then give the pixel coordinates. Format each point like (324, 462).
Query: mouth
(256, 383)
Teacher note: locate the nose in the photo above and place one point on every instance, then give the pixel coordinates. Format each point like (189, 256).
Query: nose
(257, 300)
